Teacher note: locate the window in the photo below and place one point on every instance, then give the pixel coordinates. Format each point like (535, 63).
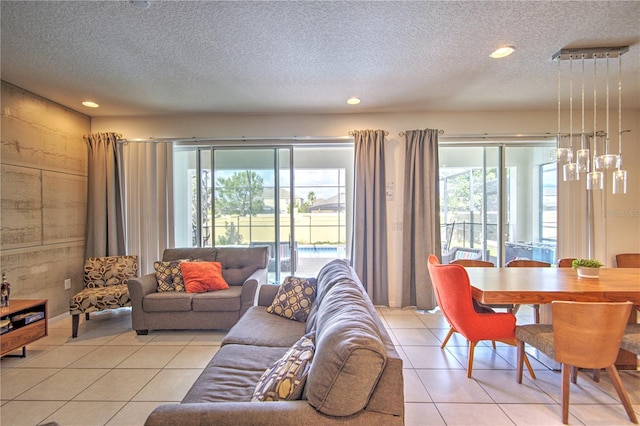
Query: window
(295, 199)
(499, 199)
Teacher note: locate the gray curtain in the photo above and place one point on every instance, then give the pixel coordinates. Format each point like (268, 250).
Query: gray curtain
(369, 239)
(105, 224)
(421, 220)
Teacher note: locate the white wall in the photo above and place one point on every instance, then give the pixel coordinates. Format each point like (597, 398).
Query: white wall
(622, 227)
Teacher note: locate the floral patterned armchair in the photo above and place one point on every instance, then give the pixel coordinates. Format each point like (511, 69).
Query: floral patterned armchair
(105, 286)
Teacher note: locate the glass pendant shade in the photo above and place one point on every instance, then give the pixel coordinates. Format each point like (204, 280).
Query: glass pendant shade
(570, 172)
(620, 182)
(609, 161)
(598, 163)
(562, 155)
(583, 159)
(595, 180)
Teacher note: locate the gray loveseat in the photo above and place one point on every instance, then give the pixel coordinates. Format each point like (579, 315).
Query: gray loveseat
(355, 375)
(243, 268)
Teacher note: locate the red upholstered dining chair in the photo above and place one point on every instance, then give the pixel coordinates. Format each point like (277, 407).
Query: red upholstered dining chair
(453, 294)
(527, 263)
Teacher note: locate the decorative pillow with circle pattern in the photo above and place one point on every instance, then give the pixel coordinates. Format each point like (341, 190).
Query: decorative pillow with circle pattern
(285, 379)
(169, 276)
(294, 298)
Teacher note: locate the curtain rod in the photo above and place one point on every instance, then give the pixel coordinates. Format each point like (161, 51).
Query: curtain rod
(502, 136)
(440, 132)
(240, 138)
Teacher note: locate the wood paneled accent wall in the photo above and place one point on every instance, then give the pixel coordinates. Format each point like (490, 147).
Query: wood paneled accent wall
(43, 162)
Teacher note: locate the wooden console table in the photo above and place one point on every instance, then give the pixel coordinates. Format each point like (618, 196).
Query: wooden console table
(22, 335)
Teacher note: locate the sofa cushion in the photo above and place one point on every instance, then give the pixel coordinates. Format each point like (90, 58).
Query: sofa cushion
(200, 277)
(207, 254)
(169, 276)
(228, 300)
(285, 379)
(173, 301)
(259, 328)
(239, 263)
(99, 299)
(232, 374)
(294, 298)
(332, 273)
(350, 354)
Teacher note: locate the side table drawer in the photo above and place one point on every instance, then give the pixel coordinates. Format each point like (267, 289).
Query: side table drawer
(22, 336)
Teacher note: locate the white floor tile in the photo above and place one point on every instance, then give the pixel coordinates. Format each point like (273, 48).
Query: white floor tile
(151, 357)
(64, 385)
(21, 413)
(422, 414)
(133, 414)
(193, 357)
(85, 413)
(17, 381)
(473, 414)
(117, 385)
(452, 386)
(169, 385)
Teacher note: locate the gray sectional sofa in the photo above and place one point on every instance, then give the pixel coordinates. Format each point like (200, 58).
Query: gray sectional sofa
(355, 376)
(243, 268)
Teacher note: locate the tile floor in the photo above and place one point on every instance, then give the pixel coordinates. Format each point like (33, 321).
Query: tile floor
(111, 376)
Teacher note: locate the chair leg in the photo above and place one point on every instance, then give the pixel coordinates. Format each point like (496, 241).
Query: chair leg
(574, 374)
(536, 314)
(596, 375)
(446, 339)
(472, 346)
(528, 364)
(622, 393)
(520, 361)
(493, 343)
(75, 322)
(565, 393)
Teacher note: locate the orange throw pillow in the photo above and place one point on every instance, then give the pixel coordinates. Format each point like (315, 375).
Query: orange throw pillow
(200, 277)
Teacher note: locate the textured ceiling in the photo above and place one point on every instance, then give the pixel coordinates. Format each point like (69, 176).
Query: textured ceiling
(305, 57)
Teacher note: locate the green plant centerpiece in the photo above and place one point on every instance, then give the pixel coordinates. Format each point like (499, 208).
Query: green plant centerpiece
(587, 268)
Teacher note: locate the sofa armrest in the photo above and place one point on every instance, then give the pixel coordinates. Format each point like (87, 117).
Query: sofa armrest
(141, 286)
(267, 294)
(292, 413)
(138, 288)
(250, 288)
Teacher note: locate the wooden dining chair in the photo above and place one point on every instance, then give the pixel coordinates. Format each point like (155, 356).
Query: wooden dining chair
(628, 260)
(528, 263)
(566, 262)
(453, 293)
(473, 263)
(583, 334)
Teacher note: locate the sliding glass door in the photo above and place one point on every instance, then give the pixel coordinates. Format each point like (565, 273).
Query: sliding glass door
(239, 196)
(498, 201)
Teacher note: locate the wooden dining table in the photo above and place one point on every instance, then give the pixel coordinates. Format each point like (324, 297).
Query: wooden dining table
(544, 285)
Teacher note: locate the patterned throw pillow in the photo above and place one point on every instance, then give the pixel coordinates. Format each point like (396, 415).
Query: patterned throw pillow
(169, 276)
(284, 381)
(294, 298)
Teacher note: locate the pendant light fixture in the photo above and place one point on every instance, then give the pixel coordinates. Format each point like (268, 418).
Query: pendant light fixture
(586, 157)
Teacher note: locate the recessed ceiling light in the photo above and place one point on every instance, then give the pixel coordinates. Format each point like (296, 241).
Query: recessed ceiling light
(502, 52)
(353, 101)
(90, 104)
(140, 4)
